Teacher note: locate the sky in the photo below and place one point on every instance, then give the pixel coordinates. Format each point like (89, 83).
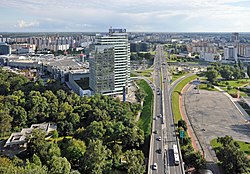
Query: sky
(134, 15)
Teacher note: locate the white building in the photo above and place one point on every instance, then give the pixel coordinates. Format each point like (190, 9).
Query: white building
(230, 53)
(210, 57)
(119, 39)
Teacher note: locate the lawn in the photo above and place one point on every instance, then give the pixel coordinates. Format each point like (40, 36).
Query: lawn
(133, 75)
(145, 73)
(146, 117)
(244, 146)
(204, 86)
(176, 76)
(176, 94)
(235, 83)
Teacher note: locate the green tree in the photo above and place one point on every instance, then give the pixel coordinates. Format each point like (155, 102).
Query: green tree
(35, 141)
(5, 122)
(226, 72)
(248, 70)
(212, 75)
(74, 151)
(183, 124)
(97, 158)
(59, 165)
(232, 158)
(135, 162)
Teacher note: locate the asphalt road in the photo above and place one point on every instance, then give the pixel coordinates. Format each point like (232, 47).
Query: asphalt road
(156, 145)
(213, 115)
(169, 128)
(162, 127)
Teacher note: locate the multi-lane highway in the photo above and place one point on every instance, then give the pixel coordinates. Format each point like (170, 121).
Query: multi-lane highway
(163, 131)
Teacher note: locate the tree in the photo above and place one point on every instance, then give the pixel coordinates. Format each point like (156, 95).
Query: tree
(248, 70)
(95, 131)
(35, 141)
(59, 165)
(132, 137)
(5, 122)
(226, 72)
(135, 162)
(233, 160)
(47, 151)
(212, 75)
(73, 150)
(183, 124)
(97, 158)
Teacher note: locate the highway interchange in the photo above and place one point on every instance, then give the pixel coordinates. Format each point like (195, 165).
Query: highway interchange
(163, 134)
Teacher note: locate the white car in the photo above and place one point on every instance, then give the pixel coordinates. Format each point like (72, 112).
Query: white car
(159, 138)
(154, 167)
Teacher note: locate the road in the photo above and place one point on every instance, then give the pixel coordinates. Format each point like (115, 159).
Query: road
(162, 127)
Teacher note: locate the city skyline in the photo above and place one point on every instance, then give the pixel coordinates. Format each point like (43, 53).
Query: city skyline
(142, 16)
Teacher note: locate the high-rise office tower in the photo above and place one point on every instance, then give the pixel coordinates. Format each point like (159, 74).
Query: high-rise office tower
(118, 39)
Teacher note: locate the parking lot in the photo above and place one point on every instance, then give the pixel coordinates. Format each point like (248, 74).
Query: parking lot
(213, 115)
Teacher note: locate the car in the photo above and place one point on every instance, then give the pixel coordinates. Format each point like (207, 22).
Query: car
(159, 138)
(155, 118)
(154, 167)
(160, 116)
(155, 132)
(158, 151)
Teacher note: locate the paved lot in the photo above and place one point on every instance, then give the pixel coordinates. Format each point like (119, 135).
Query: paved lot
(212, 114)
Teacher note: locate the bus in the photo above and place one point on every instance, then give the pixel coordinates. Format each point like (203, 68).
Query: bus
(176, 155)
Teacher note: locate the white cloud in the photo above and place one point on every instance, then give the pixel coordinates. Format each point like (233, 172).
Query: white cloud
(147, 15)
(24, 24)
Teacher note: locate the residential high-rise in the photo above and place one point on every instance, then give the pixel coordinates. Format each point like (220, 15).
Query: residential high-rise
(118, 38)
(234, 37)
(230, 53)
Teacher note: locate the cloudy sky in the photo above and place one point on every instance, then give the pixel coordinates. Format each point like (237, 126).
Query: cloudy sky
(135, 15)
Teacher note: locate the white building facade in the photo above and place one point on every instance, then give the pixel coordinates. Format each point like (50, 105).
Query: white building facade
(230, 53)
(118, 38)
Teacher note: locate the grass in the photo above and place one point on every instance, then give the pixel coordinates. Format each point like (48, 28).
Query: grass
(133, 75)
(176, 94)
(233, 92)
(235, 83)
(244, 146)
(204, 86)
(145, 73)
(146, 117)
(177, 76)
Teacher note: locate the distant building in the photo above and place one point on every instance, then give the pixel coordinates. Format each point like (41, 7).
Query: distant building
(25, 50)
(210, 57)
(230, 53)
(244, 50)
(118, 38)
(235, 37)
(139, 47)
(5, 49)
(102, 66)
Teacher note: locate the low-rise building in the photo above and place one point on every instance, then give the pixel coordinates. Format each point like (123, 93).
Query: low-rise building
(5, 49)
(20, 138)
